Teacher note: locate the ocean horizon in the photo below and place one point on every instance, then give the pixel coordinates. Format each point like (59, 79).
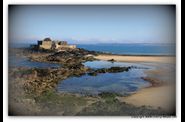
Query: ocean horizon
(121, 48)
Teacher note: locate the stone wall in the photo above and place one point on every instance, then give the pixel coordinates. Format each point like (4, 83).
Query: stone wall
(46, 44)
(67, 46)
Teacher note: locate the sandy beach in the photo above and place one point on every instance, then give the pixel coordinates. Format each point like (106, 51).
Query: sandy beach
(160, 59)
(157, 97)
(161, 96)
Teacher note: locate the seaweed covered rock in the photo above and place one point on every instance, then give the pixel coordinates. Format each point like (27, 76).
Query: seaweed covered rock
(71, 56)
(109, 70)
(117, 69)
(111, 60)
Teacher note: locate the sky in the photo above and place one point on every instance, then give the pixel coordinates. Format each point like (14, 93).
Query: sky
(93, 24)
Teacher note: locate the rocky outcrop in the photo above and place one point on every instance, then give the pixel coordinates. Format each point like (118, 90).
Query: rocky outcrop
(111, 60)
(109, 70)
(67, 57)
(37, 80)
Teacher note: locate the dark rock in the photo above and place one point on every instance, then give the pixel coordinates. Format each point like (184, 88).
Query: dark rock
(71, 57)
(111, 60)
(113, 69)
(109, 70)
(117, 69)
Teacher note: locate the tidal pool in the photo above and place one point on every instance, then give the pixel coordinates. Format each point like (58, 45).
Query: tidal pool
(122, 83)
(108, 64)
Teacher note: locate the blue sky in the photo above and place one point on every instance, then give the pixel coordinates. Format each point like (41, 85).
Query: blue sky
(93, 24)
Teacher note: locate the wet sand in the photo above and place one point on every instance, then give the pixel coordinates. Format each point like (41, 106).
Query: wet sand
(160, 59)
(157, 96)
(162, 97)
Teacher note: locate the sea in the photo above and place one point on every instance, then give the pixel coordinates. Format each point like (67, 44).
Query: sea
(132, 49)
(124, 49)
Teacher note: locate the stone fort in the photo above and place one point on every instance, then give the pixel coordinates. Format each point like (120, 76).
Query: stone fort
(47, 43)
